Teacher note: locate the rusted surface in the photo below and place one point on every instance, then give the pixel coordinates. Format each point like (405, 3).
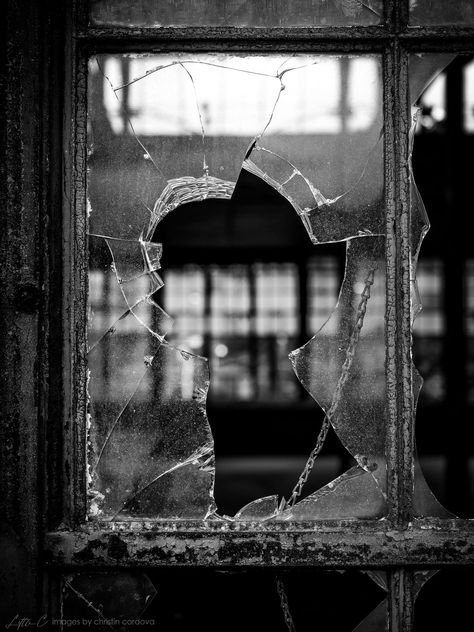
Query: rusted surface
(353, 34)
(398, 336)
(401, 600)
(244, 546)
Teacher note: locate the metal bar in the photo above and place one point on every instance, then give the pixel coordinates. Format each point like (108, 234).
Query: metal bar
(229, 33)
(398, 326)
(401, 600)
(244, 545)
(242, 45)
(315, 34)
(460, 41)
(400, 442)
(74, 283)
(442, 33)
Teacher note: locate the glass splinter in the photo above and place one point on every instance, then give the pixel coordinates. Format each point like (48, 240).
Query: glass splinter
(260, 509)
(157, 457)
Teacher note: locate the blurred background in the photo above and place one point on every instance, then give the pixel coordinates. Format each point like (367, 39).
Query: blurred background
(245, 285)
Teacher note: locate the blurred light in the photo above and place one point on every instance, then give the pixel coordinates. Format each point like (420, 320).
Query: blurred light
(433, 104)
(195, 341)
(221, 350)
(469, 97)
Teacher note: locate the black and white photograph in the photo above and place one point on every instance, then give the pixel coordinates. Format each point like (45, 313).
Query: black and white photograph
(237, 315)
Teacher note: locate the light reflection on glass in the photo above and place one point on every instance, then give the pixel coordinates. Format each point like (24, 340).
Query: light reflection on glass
(230, 108)
(469, 97)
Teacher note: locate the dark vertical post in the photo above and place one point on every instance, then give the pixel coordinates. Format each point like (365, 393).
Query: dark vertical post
(400, 600)
(74, 291)
(29, 195)
(400, 442)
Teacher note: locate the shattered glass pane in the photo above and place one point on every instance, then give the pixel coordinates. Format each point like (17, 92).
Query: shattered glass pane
(440, 12)
(166, 131)
(153, 450)
(344, 372)
(261, 509)
(169, 130)
(258, 13)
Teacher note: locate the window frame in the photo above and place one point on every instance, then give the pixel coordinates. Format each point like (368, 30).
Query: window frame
(400, 543)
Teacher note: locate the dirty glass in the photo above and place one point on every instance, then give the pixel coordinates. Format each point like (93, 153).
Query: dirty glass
(440, 12)
(167, 131)
(258, 13)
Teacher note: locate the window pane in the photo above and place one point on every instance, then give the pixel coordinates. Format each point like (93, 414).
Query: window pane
(214, 181)
(257, 13)
(440, 12)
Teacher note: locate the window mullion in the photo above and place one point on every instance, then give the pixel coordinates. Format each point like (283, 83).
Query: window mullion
(400, 442)
(401, 600)
(398, 321)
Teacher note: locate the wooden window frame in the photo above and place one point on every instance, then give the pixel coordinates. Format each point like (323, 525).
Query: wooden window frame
(64, 539)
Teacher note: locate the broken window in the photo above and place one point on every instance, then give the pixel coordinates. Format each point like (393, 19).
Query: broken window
(240, 413)
(169, 136)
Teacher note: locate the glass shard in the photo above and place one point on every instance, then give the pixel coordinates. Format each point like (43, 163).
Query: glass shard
(119, 372)
(355, 494)
(121, 284)
(375, 621)
(235, 13)
(423, 69)
(344, 370)
(260, 509)
(445, 602)
(155, 457)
